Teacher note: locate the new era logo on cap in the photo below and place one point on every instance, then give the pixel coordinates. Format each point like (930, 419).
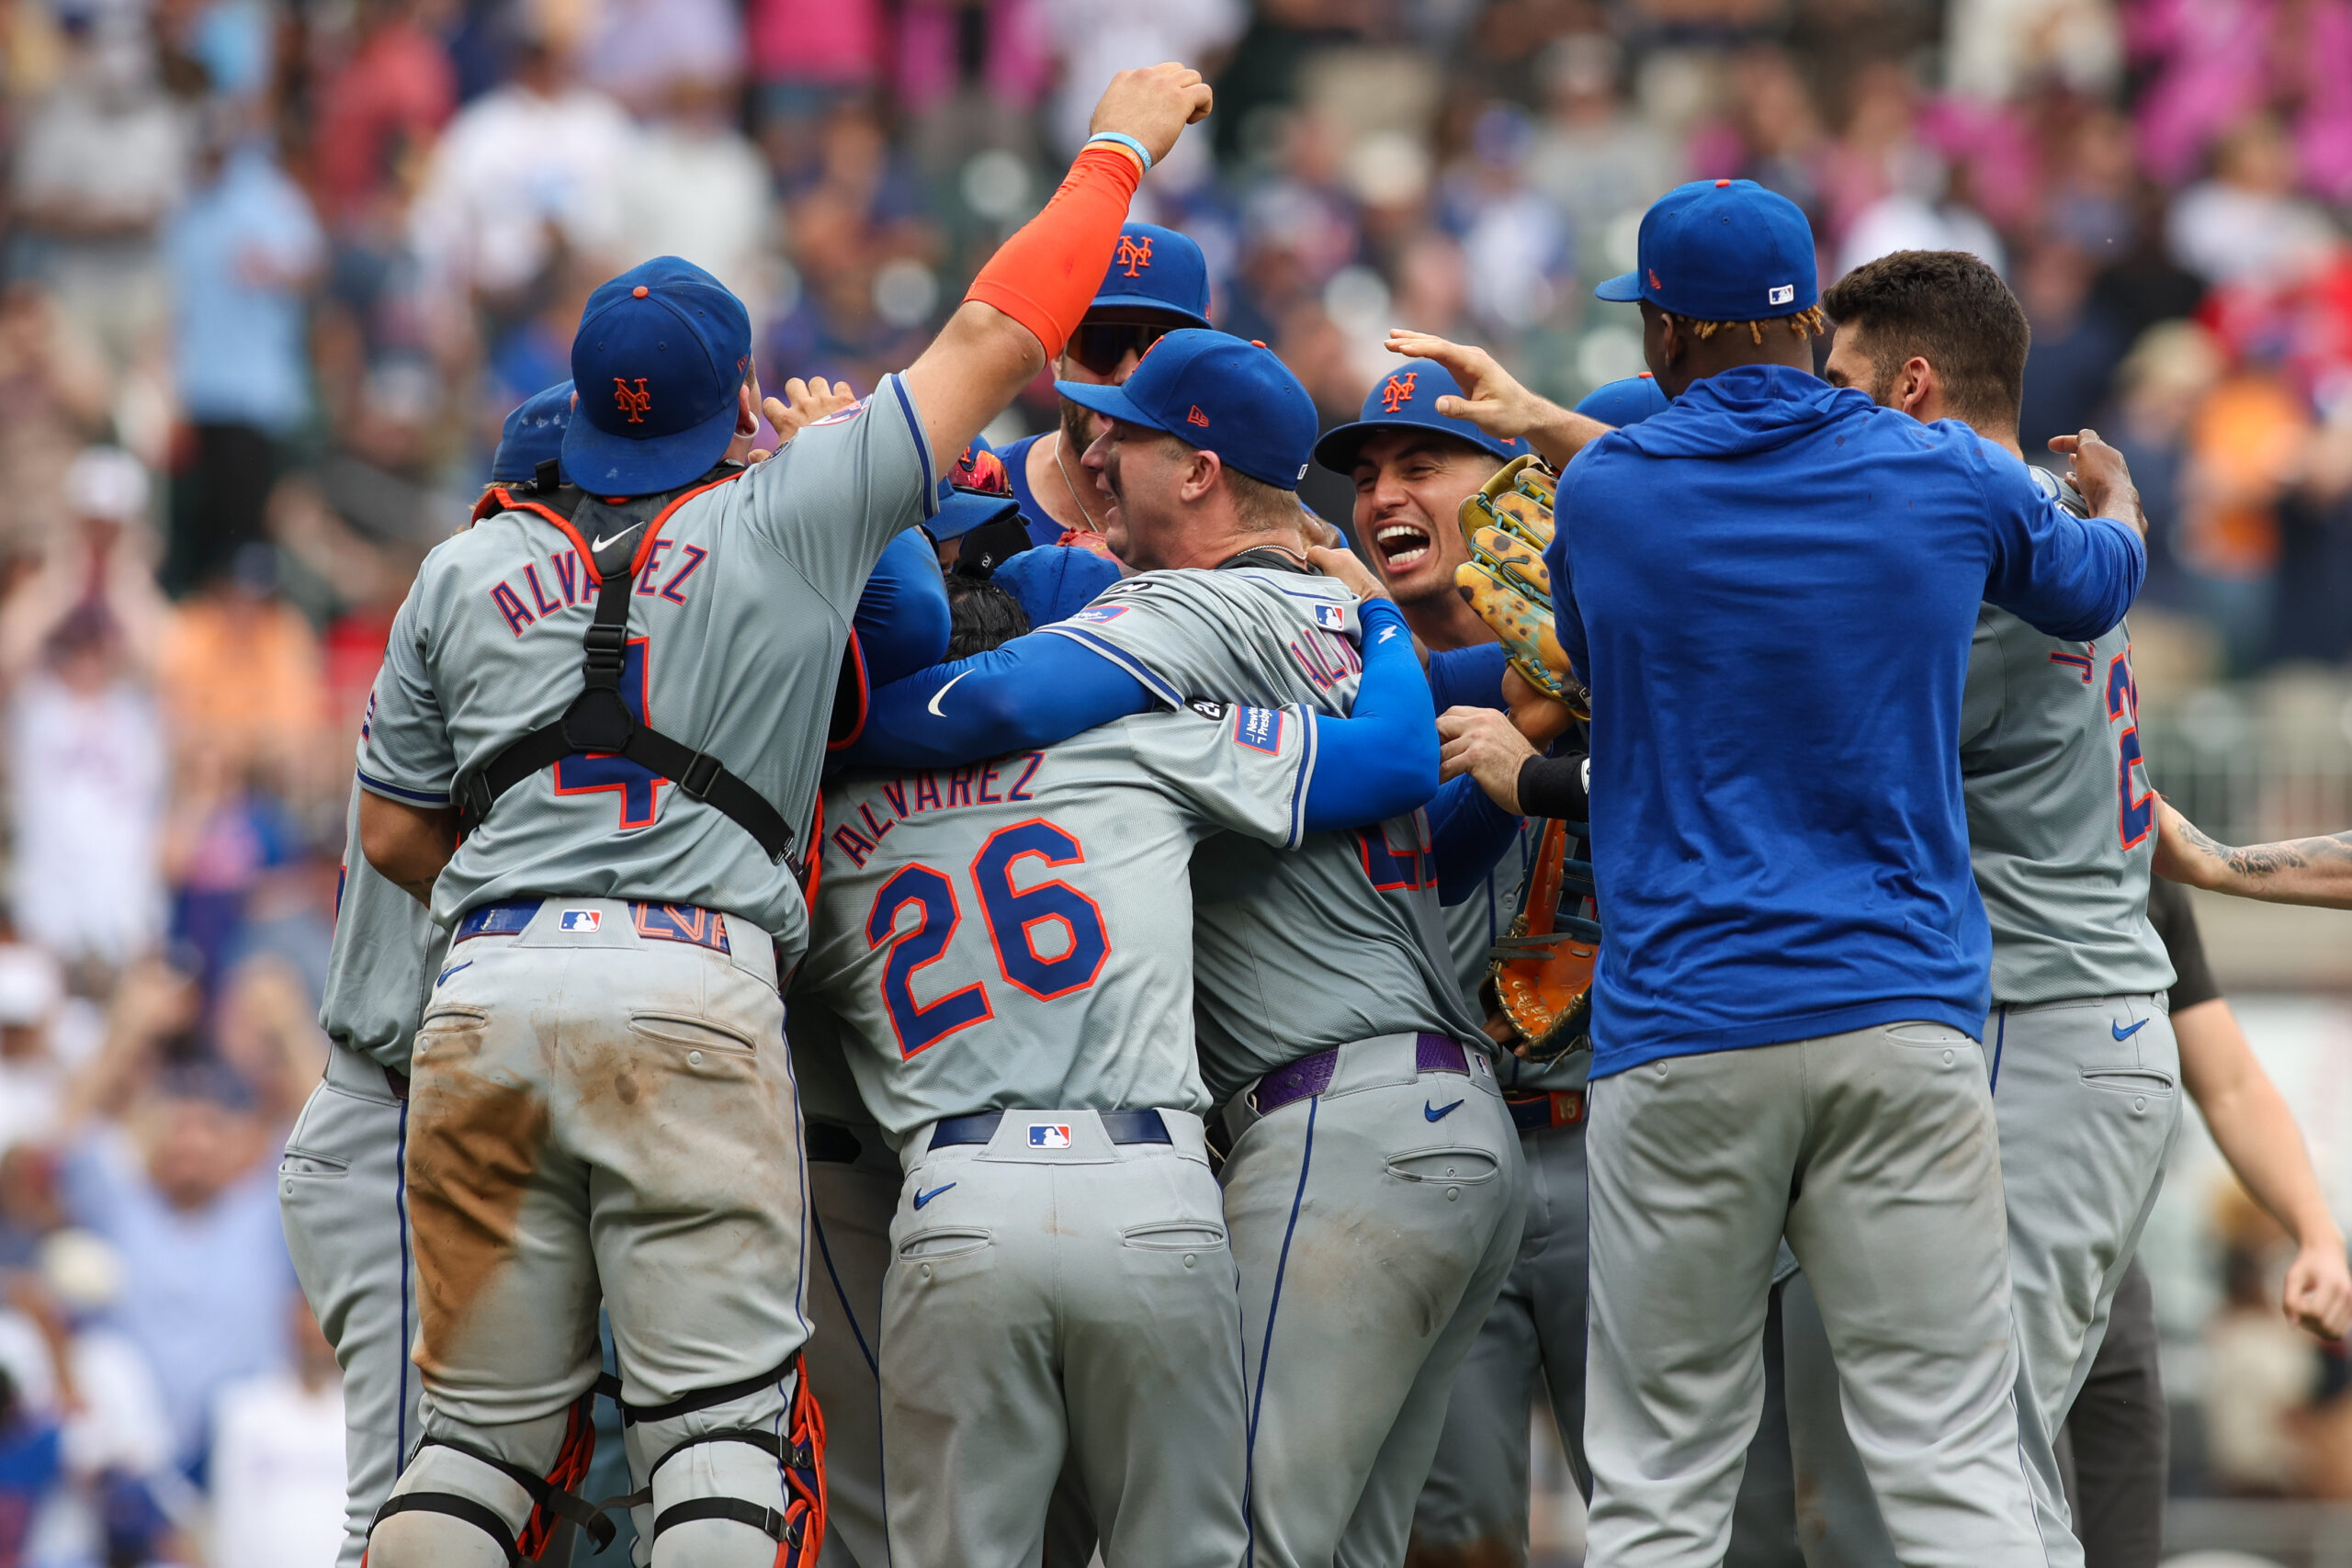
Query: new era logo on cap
(1049, 1134)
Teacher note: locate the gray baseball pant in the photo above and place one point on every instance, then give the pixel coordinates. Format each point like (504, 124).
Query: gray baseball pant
(593, 1108)
(341, 1193)
(1049, 1299)
(1375, 1223)
(1875, 1151)
(851, 1203)
(2086, 1095)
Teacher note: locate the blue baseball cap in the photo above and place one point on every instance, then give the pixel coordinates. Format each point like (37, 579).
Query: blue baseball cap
(1213, 391)
(1154, 268)
(1055, 582)
(532, 434)
(1624, 402)
(974, 493)
(660, 353)
(1722, 251)
(1407, 398)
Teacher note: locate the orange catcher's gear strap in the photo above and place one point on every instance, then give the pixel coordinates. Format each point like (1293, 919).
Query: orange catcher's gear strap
(1046, 276)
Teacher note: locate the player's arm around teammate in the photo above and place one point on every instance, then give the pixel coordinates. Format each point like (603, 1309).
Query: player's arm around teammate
(2293, 870)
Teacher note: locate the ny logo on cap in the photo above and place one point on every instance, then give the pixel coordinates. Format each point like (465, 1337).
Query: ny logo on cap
(632, 403)
(1133, 253)
(1398, 393)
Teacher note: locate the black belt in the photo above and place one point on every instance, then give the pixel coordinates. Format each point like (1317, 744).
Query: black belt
(1541, 1112)
(1119, 1126)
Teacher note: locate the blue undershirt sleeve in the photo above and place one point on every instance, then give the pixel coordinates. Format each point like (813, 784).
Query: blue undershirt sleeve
(1468, 677)
(1034, 691)
(1381, 760)
(1468, 834)
(903, 621)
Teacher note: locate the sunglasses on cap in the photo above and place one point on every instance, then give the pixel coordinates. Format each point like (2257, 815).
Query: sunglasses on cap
(1101, 347)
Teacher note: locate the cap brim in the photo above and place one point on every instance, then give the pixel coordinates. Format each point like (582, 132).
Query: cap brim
(1147, 302)
(604, 463)
(1337, 451)
(1622, 290)
(960, 514)
(1111, 402)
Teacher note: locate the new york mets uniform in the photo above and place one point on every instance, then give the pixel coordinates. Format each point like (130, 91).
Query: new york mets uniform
(1012, 942)
(2085, 1070)
(340, 1185)
(1374, 1188)
(601, 1095)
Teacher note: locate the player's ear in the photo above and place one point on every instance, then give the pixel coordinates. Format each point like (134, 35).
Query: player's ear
(1916, 387)
(747, 410)
(1199, 475)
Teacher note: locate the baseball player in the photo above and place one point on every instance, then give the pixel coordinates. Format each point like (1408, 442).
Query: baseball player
(340, 1186)
(1156, 282)
(1011, 944)
(599, 1096)
(2294, 871)
(1795, 971)
(1374, 1192)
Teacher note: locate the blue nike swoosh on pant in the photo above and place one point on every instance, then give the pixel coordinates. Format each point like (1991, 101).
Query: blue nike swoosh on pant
(923, 1198)
(2122, 1034)
(1439, 1113)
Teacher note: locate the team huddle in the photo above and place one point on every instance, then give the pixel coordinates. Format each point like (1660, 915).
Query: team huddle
(1052, 1010)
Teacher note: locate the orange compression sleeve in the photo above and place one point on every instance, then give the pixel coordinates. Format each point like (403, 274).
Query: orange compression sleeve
(1046, 274)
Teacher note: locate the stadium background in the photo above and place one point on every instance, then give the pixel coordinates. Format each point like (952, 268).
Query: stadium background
(298, 258)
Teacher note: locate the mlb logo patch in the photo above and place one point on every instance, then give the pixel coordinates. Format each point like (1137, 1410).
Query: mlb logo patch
(1331, 617)
(1784, 294)
(1101, 614)
(583, 919)
(1260, 729)
(1048, 1135)
(844, 416)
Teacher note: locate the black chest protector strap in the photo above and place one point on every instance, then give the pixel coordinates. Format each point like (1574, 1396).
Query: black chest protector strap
(598, 721)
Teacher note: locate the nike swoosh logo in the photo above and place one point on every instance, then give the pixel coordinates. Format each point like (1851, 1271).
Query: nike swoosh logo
(2122, 1034)
(923, 1198)
(452, 970)
(598, 546)
(941, 693)
(1438, 1112)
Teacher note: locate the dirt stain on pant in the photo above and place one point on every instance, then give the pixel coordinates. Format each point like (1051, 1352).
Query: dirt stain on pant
(474, 1145)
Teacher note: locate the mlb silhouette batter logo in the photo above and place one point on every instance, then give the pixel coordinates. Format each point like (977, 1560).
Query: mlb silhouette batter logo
(1133, 253)
(633, 403)
(1398, 393)
(1044, 1135)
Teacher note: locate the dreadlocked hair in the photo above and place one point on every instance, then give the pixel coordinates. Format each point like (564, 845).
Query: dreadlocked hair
(1807, 323)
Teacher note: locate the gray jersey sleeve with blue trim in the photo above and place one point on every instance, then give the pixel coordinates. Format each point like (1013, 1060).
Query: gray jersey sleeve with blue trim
(377, 968)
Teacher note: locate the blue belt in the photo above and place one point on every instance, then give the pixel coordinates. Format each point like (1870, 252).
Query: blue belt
(1541, 1112)
(661, 923)
(1119, 1126)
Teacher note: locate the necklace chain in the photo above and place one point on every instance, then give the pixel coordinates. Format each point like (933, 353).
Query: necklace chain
(1071, 485)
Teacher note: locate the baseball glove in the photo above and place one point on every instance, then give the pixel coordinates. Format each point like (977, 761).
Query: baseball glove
(1508, 524)
(1542, 971)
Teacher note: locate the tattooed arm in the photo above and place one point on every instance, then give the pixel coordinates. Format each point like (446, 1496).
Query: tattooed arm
(2292, 871)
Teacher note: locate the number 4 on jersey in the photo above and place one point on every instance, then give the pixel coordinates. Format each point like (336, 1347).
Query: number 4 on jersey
(587, 772)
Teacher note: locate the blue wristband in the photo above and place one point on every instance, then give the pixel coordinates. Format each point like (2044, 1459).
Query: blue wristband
(1124, 140)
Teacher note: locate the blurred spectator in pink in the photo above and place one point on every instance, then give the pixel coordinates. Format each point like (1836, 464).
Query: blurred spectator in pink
(380, 110)
(809, 55)
(99, 164)
(528, 169)
(55, 390)
(2247, 224)
(243, 253)
(185, 1191)
(1772, 133)
(276, 1475)
(640, 51)
(102, 556)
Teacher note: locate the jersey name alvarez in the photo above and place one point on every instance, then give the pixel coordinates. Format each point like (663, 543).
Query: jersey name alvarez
(993, 783)
(523, 600)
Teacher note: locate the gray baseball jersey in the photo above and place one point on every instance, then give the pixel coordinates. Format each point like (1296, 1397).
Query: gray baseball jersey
(1040, 902)
(2061, 818)
(742, 605)
(376, 975)
(1339, 941)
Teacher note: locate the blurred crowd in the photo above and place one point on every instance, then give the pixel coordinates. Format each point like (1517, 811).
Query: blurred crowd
(272, 271)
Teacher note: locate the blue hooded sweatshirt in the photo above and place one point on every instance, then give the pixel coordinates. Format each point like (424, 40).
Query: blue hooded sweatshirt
(1771, 588)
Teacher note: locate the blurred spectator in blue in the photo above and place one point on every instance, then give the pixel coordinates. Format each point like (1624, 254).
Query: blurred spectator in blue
(2076, 343)
(639, 51)
(1525, 251)
(30, 1464)
(277, 1473)
(185, 1191)
(243, 253)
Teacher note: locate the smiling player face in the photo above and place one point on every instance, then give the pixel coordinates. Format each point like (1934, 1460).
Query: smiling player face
(1410, 485)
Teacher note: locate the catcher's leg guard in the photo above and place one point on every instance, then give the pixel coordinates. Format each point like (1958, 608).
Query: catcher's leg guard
(462, 1501)
(735, 1476)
